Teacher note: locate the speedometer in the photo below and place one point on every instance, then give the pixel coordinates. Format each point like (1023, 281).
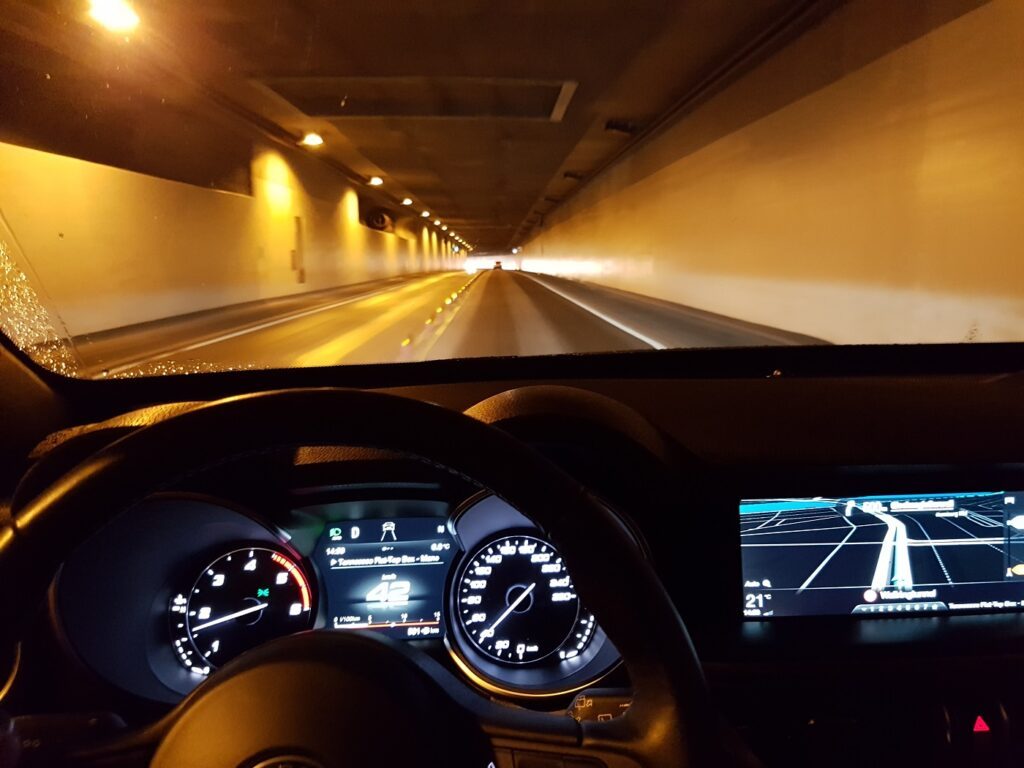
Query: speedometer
(516, 602)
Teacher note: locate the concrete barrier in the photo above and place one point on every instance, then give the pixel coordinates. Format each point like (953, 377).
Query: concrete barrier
(115, 248)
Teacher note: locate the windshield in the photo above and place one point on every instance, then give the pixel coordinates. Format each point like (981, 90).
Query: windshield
(189, 187)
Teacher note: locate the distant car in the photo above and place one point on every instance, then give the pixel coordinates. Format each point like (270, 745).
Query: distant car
(497, 265)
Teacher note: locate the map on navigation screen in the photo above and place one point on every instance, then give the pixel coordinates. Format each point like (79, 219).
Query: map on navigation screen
(883, 555)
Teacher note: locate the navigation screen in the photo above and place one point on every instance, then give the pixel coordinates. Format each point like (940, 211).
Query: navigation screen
(386, 574)
(886, 556)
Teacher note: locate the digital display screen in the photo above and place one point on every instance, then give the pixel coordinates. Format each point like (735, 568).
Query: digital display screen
(876, 556)
(386, 574)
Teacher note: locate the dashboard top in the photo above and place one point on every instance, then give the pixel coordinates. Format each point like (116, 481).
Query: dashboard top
(796, 406)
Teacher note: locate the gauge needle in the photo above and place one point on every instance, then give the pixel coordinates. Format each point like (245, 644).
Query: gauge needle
(489, 632)
(235, 615)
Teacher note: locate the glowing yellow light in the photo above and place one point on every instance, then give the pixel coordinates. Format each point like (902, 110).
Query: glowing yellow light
(438, 311)
(312, 140)
(444, 228)
(437, 222)
(447, 301)
(429, 321)
(407, 201)
(425, 214)
(272, 180)
(350, 210)
(406, 341)
(455, 295)
(375, 181)
(115, 15)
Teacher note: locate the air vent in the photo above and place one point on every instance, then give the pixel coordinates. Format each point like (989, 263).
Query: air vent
(338, 98)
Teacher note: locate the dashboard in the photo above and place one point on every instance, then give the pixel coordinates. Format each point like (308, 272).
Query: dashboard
(703, 454)
(784, 567)
(902, 561)
(179, 585)
(768, 575)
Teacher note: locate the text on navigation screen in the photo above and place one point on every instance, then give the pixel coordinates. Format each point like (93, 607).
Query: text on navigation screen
(883, 555)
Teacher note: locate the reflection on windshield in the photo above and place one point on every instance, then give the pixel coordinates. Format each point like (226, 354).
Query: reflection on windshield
(189, 188)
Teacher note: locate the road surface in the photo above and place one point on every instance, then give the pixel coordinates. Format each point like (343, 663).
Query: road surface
(421, 317)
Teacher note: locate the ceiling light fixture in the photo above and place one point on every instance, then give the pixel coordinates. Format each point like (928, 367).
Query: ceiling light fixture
(115, 15)
(425, 214)
(437, 222)
(407, 201)
(312, 140)
(444, 227)
(375, 181)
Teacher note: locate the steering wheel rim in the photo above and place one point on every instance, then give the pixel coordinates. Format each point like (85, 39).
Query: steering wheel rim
(671, 721)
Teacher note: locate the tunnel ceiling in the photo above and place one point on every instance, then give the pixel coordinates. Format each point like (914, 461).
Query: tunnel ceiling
(476, 110)
(487, 114)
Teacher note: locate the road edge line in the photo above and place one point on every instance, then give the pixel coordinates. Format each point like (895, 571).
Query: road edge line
(654, 343)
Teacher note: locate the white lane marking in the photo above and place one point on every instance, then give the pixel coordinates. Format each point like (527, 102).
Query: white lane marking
(990, 541)
(753, 517)
(786, 516)
(601, 315)
(983, 521)
(883, 568)
(910, 542)
(935, 552)
(918, 585)
(762, 525)
(802, 520)
(997, 549)
(894, 555)
(251, 329)
(782, 532)
(903, 577)
(812, 544)
(824, 562)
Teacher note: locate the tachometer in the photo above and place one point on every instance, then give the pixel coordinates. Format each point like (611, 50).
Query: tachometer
(516, 602)
(242, 599)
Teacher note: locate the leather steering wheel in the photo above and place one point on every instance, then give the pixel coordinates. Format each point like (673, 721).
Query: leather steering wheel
(336, 698)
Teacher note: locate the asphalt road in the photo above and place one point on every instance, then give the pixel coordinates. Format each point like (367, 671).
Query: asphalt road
(421, 317)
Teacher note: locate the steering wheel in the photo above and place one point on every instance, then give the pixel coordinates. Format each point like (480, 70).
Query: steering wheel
(324, 699)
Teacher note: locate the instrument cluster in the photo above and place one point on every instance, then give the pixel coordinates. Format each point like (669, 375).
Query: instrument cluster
(190, 583)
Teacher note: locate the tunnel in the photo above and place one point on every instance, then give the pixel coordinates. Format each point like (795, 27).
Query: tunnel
(223, 185)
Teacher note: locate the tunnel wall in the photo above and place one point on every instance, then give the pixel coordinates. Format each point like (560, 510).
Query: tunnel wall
(881, 205)
(113, 248)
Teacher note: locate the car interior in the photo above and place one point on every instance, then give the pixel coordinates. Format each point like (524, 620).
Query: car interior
(594, 510)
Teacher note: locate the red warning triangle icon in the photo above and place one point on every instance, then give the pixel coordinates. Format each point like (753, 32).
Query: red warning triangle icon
(980, 726)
